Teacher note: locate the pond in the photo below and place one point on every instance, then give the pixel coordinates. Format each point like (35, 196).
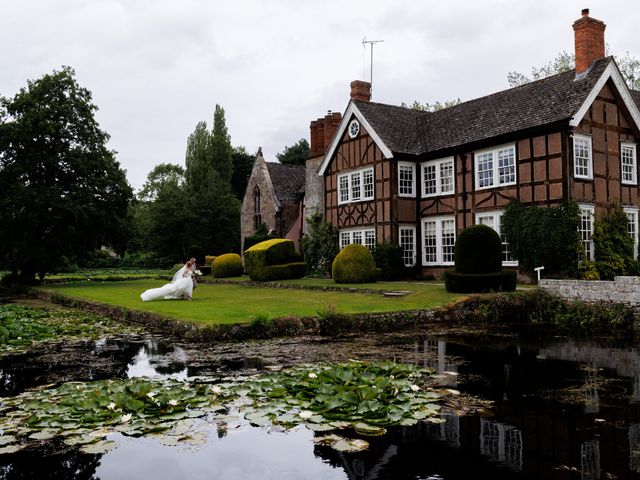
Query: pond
(560, 408)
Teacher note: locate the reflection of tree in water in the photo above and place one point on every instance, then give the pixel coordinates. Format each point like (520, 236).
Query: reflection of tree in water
(44, 464)
(64, 362)
(163, 358)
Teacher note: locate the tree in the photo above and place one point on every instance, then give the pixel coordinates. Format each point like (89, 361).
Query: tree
(63, 192)
(242, 166)
(296, 154)
(613, 245)
(320, 247)
(629, 67)
(429, 107)
(220, 146)
(198, 157)
(157, 178)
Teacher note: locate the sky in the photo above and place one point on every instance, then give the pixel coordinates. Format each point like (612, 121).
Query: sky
(158, 67)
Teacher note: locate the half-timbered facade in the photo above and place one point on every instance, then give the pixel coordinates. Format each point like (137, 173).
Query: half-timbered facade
(418, 178)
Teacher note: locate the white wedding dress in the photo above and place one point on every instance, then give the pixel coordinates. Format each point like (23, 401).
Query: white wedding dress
(180, 287)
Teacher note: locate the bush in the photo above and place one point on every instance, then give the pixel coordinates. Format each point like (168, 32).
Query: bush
(227, 265)
(208, 260)
(388, 257)
(544, 236)
(320, 247)
(588, 271)
(197, 252)
(354, 264)
(261, 260)
(503, 281)
(613, 245)
(478, 249)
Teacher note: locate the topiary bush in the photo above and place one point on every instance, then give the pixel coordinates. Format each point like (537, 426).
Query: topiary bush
(208, 260)
(478, 263)
(354, 264)
(227, 265)
(388, 257)
(274, 259)
(504, 281)
(478, 249)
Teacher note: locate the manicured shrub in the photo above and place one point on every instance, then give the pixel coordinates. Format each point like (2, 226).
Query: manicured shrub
(208, 259)
(227, 265)
(274, 259)
(388, 257)
(478, 249)
(503, 281)
(354, 264)
(197, 252)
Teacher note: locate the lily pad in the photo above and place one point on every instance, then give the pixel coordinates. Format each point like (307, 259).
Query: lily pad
(102, 446)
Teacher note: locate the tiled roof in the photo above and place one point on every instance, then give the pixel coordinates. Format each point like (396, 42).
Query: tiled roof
(550, 100)
(287, 180)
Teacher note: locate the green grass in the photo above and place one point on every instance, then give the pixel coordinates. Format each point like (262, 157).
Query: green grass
(214, 304)
(328, 282)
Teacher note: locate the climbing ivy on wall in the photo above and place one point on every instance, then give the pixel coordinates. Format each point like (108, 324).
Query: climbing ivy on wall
(613, 245)
(540, 236)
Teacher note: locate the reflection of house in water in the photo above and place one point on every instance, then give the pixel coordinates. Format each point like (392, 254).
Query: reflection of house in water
(435, 356)
(501, 442)
(590, 460)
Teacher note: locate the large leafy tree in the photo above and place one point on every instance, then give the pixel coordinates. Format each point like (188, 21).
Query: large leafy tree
(63, 192)
(432, 107)
(220, 146)
(242, 166)
(296, 154)
(564, 61)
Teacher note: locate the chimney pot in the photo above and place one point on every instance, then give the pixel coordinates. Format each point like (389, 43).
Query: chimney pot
(361, 90)
(589, 41)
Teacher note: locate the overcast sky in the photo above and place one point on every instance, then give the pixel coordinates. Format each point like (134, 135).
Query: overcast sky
(157, 67)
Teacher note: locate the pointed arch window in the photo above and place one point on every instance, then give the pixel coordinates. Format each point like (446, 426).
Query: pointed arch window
(257, 216)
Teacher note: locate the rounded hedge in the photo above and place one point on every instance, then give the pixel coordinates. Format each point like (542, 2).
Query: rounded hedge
(274, 259)
(354, 264)
(478, 249)
(227, 265)
(503, 281)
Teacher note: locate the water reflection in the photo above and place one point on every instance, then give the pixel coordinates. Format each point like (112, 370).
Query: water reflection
(155, 359)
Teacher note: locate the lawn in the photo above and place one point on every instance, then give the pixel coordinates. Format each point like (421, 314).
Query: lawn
(219, 303)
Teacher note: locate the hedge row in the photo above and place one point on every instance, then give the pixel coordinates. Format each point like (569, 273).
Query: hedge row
(503, 281)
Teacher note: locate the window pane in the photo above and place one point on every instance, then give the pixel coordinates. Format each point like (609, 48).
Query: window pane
(355, 186)
(344, 188)
(357, 237)
(632, 226)
(628, 156)
(344, 239)
(367, 176)
(370, 239)
(485, 169)
(430, 180)
(586, 231)
(446, 177)
(448, 240)
(405, 179)
(582, 157)
(430, 242)
(506, 166)
(407, 242)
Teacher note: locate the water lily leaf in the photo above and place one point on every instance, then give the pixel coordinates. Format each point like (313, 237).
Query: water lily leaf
(327, 439)
(102, 446)
(320, 427)
(16, 447)
(182, 427)
(169, 440)
(350, 445)
(435, 420)
(369, 430)
(43, 435)
(7, 439)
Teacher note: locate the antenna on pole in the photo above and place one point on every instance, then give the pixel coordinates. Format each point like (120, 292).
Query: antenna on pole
(371, 44)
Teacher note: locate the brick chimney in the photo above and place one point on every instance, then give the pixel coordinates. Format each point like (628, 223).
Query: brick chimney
(322, 131)
(589, 39)
(361, 90)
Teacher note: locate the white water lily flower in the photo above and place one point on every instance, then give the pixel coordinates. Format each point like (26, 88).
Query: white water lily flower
(151, 394)
(391, 377)
(112, 406)
(216, 389)
(415, 388)
(173, 402)
(453, 392)
(125, 418)
(305, 414)
(312, 375)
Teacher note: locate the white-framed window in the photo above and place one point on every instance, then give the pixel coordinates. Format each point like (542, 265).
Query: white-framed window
(586, 230)
(494, 220)
(406, 179)
(628, 163)
(582, 157)
(437, 177)
(495, 167)
(407, 237)
(439, 234)
(355, 186)
(362, 236)
(632, 225)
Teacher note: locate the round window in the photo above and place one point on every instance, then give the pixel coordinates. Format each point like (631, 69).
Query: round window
(354, 129)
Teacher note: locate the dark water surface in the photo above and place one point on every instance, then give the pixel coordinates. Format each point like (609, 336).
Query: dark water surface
(563, 409)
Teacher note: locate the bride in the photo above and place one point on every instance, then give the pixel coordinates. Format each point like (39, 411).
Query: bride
(180, 287)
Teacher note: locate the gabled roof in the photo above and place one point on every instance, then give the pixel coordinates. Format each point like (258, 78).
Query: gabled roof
(287, 180)
(555, 99)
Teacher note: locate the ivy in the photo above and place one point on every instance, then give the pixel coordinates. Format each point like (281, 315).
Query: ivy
(540, 236)
(613, 245)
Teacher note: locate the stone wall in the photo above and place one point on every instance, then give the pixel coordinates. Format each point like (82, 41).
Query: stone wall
(624, 290)
(313, 190)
